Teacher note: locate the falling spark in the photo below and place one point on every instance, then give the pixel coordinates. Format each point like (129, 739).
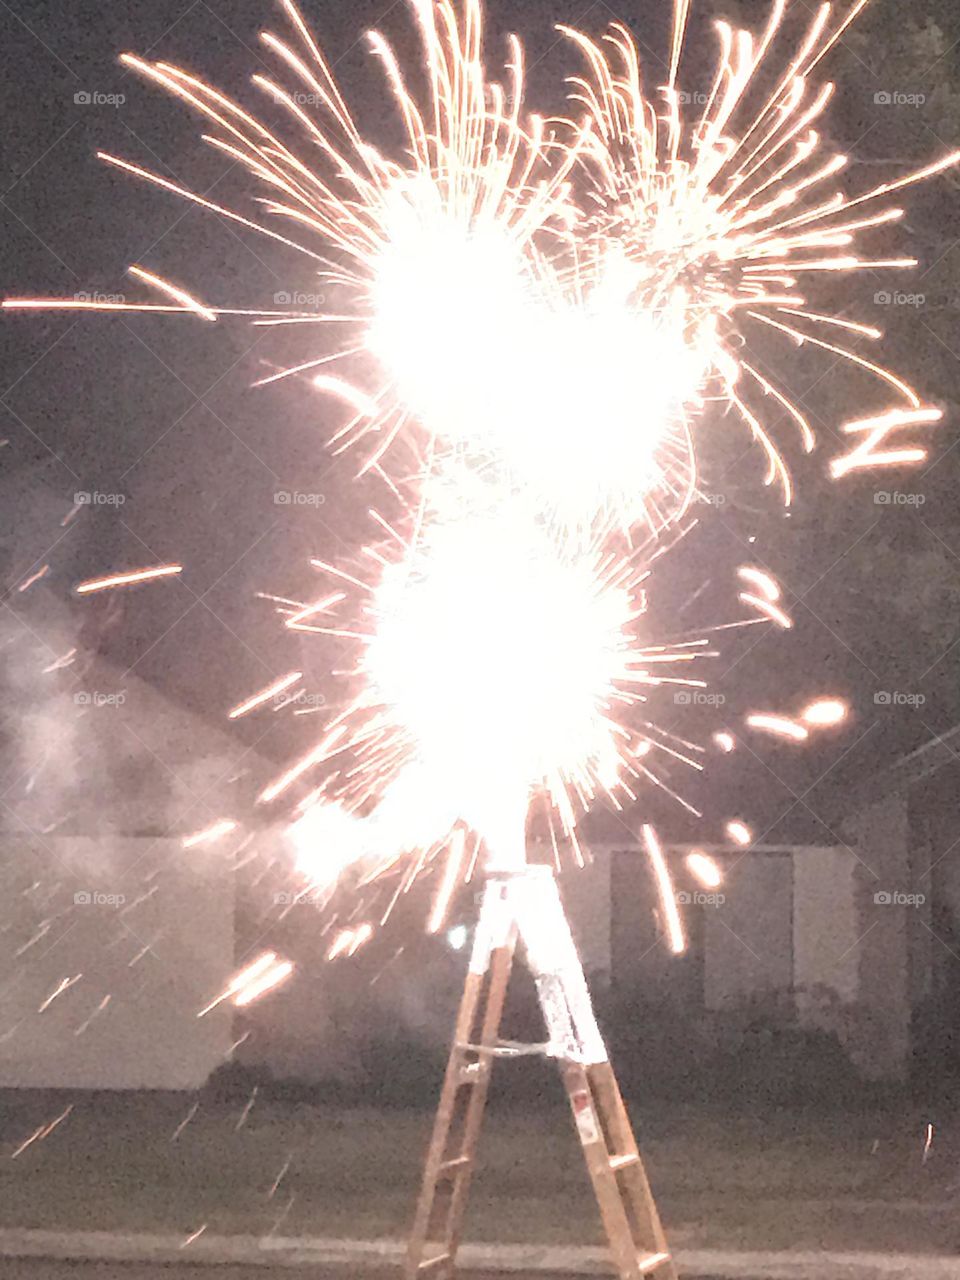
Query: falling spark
(184, 1122)
(704, 870)
(65, 660)
(247, 1109)
(762, 581)
(209, 834)
(738, 832)
(779, 726)
(96, 1014)
(127, 579)
(258, 699)
(668, 898)
(41, 932)
(35, 577)
(927, 1144)
(253, 971)
(279, 1178)
(44, 1131)
(725, 741)
(194, 1236)
(64, 985)
(451, 875)
(236, 1045)
(349, 941)
(768, 609)
(283, 1215)
(266, 982)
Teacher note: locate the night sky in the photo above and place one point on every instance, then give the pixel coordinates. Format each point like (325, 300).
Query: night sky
(161, 410)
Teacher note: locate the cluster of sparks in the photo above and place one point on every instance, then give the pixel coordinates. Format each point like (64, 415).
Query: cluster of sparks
(542, 313)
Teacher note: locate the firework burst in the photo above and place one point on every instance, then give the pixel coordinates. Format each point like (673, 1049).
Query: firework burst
(541, 311)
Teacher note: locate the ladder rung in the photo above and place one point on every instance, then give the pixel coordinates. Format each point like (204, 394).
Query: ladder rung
(652, 1261)
(624, 1162)
(452, 1166)
(430, 1264)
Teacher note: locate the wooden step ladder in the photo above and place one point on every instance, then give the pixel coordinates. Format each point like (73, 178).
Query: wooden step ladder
(526, 905)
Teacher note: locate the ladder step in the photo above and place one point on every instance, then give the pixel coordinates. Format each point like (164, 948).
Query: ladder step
(431, 1264)
(453, 1166)
(624, 1162)
(652, 1261)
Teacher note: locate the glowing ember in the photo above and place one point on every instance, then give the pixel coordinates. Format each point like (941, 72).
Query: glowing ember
(127, 579)
(825, 712)
(779, 726)
(739, 832)
(704, 870)
(271, 691)
(214, 832)
(259, 976)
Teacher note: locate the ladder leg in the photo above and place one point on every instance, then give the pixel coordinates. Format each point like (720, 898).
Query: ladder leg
(500, 967)
(633, 1175)
(483, 991)
(589, 1126)
(443, 1121)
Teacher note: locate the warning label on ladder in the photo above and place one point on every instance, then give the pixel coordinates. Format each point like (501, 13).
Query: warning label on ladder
(585, 1116)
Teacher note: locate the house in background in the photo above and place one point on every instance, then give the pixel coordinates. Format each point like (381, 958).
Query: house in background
(863, 937)
(112, 935)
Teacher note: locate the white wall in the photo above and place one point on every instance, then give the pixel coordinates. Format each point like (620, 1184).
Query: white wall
(825, 922)
(142, 922)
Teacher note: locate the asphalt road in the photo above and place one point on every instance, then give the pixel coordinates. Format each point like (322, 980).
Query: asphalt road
(41, 1269)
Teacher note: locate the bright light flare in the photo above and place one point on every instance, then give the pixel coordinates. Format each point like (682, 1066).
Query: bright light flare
(500, 659)
(825, 712)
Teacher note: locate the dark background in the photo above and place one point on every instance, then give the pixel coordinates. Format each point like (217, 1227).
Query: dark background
(161, 410)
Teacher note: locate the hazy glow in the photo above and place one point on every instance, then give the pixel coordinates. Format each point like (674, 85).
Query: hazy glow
(499, 656)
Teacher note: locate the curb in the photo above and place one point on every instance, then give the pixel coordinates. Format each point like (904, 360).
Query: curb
(295, 1252)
